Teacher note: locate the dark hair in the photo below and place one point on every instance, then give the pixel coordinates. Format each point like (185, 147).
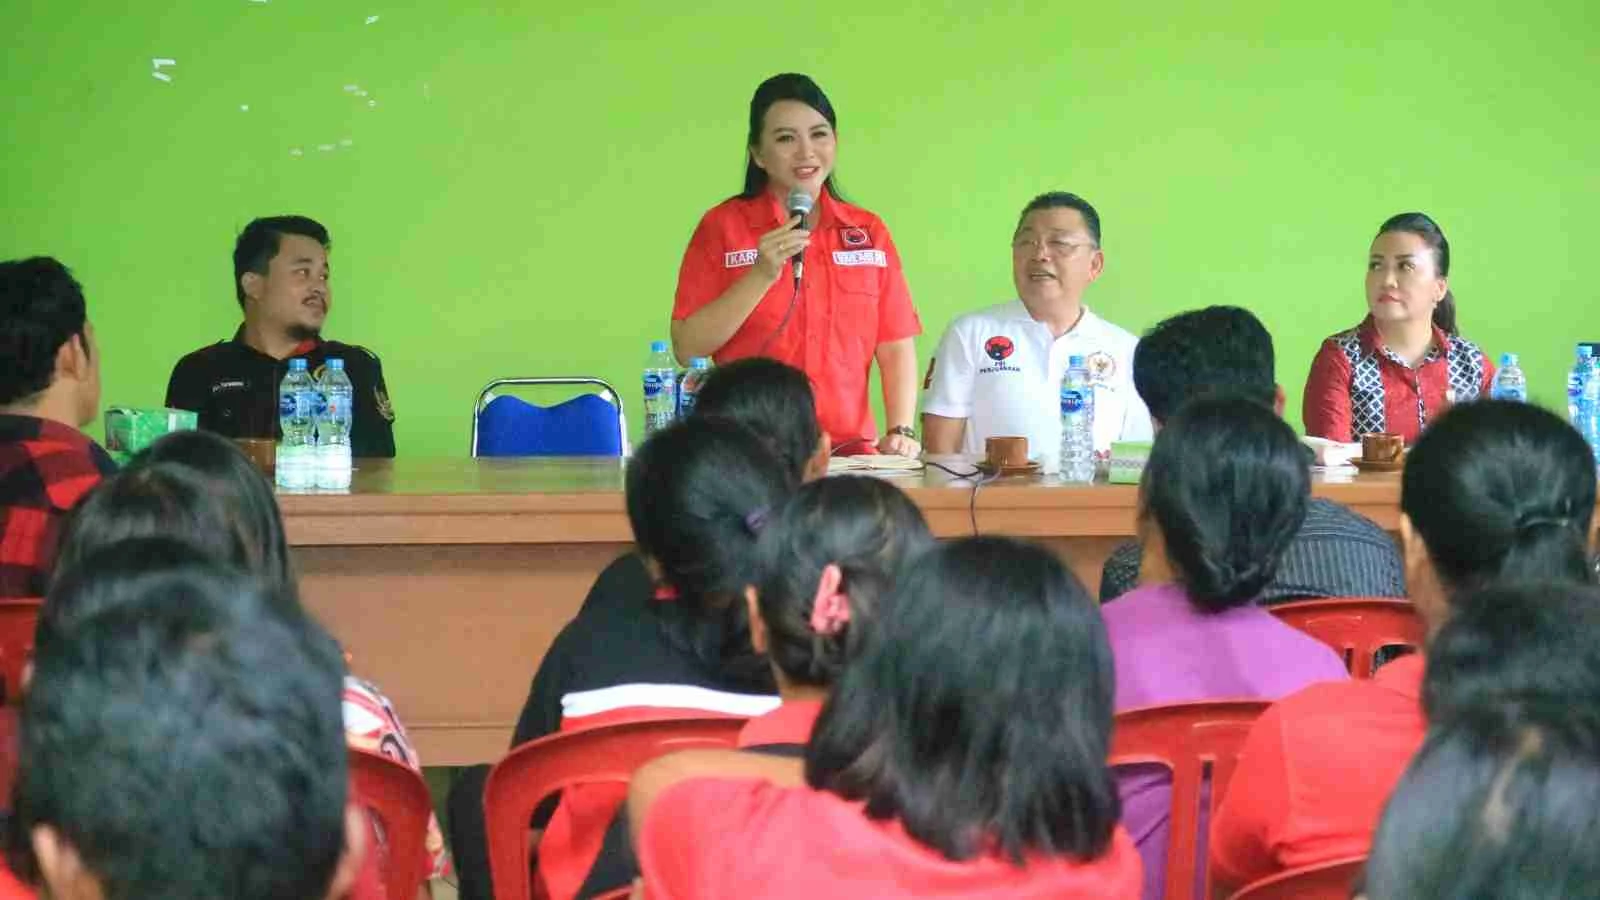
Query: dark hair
(1065, 200)
(1501, 490)
(1419, 224)
(978, 713)
(865, 526)
(787, 86)
(1533, 642)
(770, 398)
(1219, 349)
(235, 481)
(1500, 802)
(695, 492)
(41, 308)
(186, 738)
(235, 521)
(258, 244)
(1228, 484)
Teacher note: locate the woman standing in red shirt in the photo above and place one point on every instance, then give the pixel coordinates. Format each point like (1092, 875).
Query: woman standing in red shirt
(1405, 363)
(850, 307)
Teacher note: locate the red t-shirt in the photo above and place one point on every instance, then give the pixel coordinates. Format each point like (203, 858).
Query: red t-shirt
(790, 723)
(717, 838)
(1315, 772)
(1357, 386)
(853, 297)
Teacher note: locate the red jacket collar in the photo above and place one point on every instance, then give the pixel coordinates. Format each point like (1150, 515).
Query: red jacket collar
(766, 212)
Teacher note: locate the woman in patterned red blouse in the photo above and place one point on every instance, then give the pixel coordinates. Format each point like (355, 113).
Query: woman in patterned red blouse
(1405, 363)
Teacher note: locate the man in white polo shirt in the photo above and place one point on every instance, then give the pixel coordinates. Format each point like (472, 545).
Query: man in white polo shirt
(998, 371)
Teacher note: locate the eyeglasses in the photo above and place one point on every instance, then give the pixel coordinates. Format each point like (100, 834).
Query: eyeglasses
(1056, 245)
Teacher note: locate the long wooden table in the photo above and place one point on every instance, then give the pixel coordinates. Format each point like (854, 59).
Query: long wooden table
(446, 579)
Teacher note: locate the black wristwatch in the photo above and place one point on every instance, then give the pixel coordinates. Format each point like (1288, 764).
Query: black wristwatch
(904, 430)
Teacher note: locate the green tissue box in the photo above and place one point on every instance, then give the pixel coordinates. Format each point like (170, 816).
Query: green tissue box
(1127, 461)
(129, 430)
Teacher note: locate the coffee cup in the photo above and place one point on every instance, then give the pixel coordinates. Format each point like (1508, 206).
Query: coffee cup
(1006, 452)
(1382, 447)
(262, 451)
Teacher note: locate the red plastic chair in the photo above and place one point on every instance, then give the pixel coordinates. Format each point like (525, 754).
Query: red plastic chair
(18, 619)
(606, 754)
(1186, 738)
(1356, 628)
(1324, 881)
(395, 795)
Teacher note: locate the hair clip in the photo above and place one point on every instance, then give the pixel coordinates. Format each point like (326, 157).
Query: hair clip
(830, 609)
(1526, 524)
(664, 593)
(756, 519)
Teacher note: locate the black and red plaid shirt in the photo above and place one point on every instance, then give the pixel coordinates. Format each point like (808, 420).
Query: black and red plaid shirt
(45, 468)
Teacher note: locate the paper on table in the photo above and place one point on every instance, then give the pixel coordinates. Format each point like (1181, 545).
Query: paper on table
(1332, 453)
(878, 463)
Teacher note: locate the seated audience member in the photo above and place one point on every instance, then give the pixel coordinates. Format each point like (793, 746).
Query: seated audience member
(770, 398)
(281, 280)
(961, 754)
(1492, 492)
(822, 565)
(200, 488)
(1225, 349)
(183, 739)
(998, 371)
(1223, 495)
(1503, 800)
(1405, 363)
(696, 495)
(49, 387)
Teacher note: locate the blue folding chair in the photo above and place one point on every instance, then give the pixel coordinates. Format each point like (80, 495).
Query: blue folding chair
(590, 424)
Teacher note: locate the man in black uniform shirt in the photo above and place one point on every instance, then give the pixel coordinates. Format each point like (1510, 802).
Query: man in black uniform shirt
(280, 274)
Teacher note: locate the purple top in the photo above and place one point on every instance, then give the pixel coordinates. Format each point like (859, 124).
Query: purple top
(1167, 651)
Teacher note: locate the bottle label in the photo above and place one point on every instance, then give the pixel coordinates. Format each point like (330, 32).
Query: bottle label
(654, 386)
(1071, 402)
(287, 405)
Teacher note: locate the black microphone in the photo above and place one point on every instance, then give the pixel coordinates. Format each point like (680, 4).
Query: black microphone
(799, 204)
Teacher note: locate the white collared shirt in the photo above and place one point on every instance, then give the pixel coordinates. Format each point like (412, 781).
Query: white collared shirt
(1001, 370)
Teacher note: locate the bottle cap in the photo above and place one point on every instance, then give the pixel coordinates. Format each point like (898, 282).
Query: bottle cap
(1508, 359)
(1075, 361)
(700, 362)
(298, 364)
(336, 364)
(658, 346)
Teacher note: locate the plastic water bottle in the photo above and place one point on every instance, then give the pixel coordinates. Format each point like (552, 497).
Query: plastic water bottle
(660, 388)
(1077, 424)
(1589, 409)
(1509, 382)
(335, 415)
(296, 402)
(689, 386)
(1575, 380)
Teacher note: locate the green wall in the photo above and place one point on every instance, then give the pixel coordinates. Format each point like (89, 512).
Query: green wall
(518, 200)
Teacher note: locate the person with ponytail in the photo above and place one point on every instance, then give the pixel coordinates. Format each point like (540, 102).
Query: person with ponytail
(696, 493)
(1222, 497)
(1494, 494)
(824, 563)
(821, 290)
(1406, 362)
(961, 753)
